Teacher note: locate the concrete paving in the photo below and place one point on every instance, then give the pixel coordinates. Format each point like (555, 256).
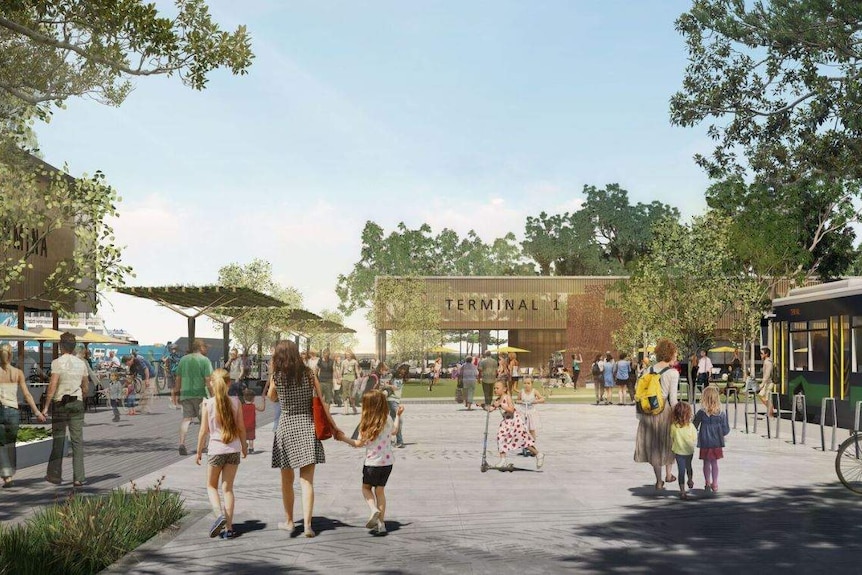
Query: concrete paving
(591, 509)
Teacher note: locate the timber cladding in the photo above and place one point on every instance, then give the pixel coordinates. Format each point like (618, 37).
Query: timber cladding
(488, 303)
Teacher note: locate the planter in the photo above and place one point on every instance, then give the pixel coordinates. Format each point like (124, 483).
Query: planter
(37, 452)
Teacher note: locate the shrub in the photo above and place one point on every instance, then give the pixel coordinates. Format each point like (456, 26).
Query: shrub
(26, 434)
(87, 533)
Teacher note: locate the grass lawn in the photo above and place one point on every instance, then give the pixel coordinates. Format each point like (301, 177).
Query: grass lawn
(445, 389)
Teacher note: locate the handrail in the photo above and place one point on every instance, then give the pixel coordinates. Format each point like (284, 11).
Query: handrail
(823, 404)
(799, 399)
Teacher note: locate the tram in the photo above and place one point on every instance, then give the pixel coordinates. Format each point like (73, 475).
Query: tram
(817, 346)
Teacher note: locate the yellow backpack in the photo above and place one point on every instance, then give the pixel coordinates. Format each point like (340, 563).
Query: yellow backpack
(648, 396)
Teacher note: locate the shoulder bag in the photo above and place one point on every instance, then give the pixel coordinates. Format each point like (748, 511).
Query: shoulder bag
(322, 427)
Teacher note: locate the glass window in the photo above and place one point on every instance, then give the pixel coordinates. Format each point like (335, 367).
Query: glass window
(798, 326)
(799, 350)
(856, 364)
(819, 347)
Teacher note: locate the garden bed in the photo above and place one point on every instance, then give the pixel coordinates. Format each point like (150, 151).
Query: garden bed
(34, 446)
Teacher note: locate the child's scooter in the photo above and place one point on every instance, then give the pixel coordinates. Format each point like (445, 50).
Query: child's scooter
(484, 467)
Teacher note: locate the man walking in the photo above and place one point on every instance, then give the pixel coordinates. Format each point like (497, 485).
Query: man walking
(326, 376)
(488, 376)
(193, 380)
(704, 370)
(766, 385)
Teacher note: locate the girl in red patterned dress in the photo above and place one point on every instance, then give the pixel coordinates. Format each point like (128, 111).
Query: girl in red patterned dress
(512, 434)
(249, 415)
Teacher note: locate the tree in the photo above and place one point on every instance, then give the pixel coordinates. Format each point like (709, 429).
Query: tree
(417, 252)
(45, 204)
(685, 286)
(260, 327)
(55, 49)
(624, 231)
(402, 303)
(564, 244)
(778, 84)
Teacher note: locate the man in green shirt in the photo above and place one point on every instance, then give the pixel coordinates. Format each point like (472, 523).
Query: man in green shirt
(193, 380)
(488, 375)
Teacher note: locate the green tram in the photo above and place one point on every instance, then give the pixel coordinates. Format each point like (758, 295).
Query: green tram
(817, 346)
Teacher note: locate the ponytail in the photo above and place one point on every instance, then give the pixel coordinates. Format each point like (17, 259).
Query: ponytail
(224, 408)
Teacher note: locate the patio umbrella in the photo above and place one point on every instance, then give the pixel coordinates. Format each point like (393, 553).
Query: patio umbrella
(8, 333)
(510, 349)
(442, 349)
(723, 349)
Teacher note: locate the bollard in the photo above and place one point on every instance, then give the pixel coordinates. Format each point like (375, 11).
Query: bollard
(750, 400)
(856, 419)
(775, 398)
(733, 391)
(799, 399)
(823, 404)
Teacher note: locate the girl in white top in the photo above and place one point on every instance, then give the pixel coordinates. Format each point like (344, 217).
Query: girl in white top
(375, 435)
(530, 397)
(222, 421)
(11, 380)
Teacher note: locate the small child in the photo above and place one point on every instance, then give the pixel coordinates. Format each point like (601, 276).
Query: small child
(115, 396)
(512, 434)
(222, 422)
(529, 397)
(130, 397)
(712, 426)
(375, 433)
(249, 416)
(684, 436)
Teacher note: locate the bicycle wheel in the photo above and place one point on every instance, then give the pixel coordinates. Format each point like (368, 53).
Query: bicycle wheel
(139, 385)
(848, 463)
(161, 378)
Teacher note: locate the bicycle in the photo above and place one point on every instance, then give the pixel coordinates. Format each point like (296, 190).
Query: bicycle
(160, 376)
(848, 463)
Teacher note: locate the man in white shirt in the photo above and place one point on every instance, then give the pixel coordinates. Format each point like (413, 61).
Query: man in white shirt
(66, 390)
(704, 369)
(113, 360)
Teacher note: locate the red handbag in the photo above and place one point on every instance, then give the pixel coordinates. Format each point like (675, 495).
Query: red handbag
(322, 428)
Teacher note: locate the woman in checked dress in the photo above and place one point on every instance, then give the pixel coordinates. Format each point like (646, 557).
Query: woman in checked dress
(295, 445)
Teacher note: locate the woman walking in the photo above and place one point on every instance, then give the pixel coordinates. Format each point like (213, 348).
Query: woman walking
(295, 444)
(11, 380)
(653, 441)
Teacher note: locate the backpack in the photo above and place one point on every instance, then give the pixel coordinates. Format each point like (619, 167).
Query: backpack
(648, 396)
(594, 370)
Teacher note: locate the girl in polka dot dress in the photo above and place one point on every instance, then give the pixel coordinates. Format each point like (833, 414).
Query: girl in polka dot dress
(375, 435)
(512, 434)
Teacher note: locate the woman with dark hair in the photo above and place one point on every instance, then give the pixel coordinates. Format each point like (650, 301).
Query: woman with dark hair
(653, 441)
(295, 444)
(11, 381)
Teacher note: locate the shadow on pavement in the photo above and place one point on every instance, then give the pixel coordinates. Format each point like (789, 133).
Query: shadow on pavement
(787, 529)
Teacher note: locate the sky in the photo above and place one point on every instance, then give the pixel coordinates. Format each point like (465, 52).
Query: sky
(466, 115)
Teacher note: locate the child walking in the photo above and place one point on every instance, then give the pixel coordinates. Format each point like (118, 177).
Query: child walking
(712, 426)
(129, 395)
(221, 420)
(115, 396)
(530, 397)
(512, 434)
(375, 434)
(683, 436)
(249, 416)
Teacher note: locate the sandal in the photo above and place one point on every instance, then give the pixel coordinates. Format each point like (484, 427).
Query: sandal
(670, 479)
(659, 486)
(7, 482)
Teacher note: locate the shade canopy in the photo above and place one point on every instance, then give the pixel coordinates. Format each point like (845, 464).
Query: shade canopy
(203, 297)
(723, 349)
(442, 349)
(8, 333)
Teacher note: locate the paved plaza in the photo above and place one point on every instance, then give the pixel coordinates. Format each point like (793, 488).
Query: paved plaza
(591, 509)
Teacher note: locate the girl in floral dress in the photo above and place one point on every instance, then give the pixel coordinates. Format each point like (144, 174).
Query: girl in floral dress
(512, 434)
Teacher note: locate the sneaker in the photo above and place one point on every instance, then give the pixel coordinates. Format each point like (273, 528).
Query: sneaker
(381, 527)
(540, 460)
(373, 520)
(218, 526)
(228, 534)
(183, 451)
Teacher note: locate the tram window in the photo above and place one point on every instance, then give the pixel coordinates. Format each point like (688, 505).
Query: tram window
(819, 350)
(799, 350)
(857, 349)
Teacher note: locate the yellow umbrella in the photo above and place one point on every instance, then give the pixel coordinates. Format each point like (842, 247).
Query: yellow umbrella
(723, 349)
(442, 349)
(649, 349)
(90, 337)
(510, 349)
(8, 333)
(49, 334)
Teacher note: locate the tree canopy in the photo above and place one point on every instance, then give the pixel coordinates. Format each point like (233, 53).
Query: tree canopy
(418, 252)
(51, 50)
